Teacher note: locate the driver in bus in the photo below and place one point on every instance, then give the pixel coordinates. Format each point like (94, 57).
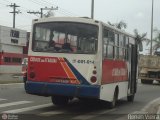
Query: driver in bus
(52, 43)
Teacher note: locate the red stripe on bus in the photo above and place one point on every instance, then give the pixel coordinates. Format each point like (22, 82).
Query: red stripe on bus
(114, 71)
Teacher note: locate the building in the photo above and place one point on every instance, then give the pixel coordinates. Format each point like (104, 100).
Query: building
(12, 43)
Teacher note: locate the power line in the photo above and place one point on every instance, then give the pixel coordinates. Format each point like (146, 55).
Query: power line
(41, 11)
(14, 12)
(34, 12)
(60, 10)
(24, 9)
(52, 8)
(63, 10)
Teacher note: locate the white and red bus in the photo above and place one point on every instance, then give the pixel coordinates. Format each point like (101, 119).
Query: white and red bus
(82, 58)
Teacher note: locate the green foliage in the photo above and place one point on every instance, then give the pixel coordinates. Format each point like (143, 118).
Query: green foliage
(140, 38)
(120, 25)
(156, 40)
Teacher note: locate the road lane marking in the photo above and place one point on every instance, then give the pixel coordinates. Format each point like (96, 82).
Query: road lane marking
(106, 111)
(93, 114)
(28, 108)
(14, 103)
(1, 99)
(9, 84)
(50, 113)
(84, 117)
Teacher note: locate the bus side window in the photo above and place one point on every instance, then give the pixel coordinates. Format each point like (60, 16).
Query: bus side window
(108, 39)
(126, 48)
(121, 45)
(117, 46)
(110, 51)
(111, 43)
(105, 42)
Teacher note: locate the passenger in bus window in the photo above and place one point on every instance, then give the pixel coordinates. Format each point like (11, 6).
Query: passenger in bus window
(52, 43)
(67, 46)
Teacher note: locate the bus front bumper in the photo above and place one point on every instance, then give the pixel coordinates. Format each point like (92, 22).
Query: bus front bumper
(50, 89)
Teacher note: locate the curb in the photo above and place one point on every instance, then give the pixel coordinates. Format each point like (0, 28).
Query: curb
(158, 112)
(153, 107)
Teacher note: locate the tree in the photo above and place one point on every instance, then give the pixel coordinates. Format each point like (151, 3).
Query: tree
(140, 38)
(156, 40)
(119, 25)
(49, 14)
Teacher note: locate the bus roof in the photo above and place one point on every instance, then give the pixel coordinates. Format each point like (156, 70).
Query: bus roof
(69, 19)
(83, 20)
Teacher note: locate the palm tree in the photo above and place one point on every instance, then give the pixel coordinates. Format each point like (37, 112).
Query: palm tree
(119, 25)
(140, 38)
(156, 40)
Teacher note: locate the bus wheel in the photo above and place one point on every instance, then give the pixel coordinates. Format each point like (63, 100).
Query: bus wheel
(113, 103)
(130, 98)
(60, 100)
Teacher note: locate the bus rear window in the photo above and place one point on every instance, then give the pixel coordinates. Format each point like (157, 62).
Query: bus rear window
(65, 37)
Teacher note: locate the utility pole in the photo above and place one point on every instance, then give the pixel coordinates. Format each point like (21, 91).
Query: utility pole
(14, 12)
(92, 9)
(52, 8)
(41, 11)
(151, 27)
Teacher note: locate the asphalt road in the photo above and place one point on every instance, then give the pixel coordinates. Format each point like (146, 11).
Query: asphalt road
(13, 99)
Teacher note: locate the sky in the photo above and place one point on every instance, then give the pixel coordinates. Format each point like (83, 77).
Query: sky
(136, 13)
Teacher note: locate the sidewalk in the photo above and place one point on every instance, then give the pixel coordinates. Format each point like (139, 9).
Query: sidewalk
(10, 78)
(153, 107)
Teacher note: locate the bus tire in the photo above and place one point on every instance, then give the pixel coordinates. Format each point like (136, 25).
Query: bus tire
(130, 98)
(60, 100)
(115, 98)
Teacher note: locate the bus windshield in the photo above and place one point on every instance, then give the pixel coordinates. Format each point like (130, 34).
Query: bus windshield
(65, 37)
